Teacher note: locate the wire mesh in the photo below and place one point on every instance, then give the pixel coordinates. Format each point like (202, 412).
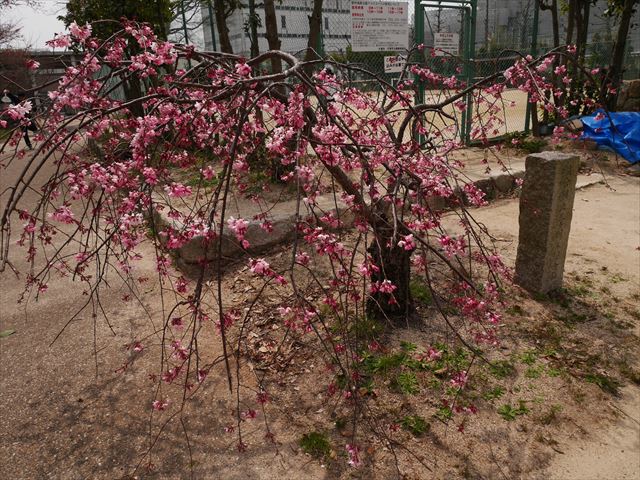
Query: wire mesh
(501, 28)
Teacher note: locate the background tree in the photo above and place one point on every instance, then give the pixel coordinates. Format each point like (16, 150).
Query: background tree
(251, 28)
(273, 39)
(623, 10)
(14, 73)
(223, 10)
(10, 31)
(315, 30)
(157, 13)
(105, 16)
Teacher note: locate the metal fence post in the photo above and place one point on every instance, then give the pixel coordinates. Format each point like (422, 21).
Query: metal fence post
(212, 26)
(320, 46)
(470, 60)
(419, 39)
(464, 24)
(534, 52)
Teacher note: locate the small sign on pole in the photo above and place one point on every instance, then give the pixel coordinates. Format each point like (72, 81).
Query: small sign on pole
(446, 43)
(378, 26)
(394, 63)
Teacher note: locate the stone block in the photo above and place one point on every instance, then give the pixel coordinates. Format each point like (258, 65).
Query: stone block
(631, 105)
(503, 182)
(485, 185)
(622, 98)
(546, 208)
(261, 240)
(436, 203)
(633, 89)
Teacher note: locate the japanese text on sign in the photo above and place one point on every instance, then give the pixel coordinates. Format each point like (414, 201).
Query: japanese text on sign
(394, 64)
(379, 26)
(446, 43)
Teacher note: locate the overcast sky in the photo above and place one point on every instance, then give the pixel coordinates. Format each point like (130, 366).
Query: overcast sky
(38, 25)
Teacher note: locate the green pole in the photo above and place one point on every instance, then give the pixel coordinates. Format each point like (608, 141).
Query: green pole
(212, 26)
(185, 28)
(464, 24)
(470, 60)
(419, 39)
(184, 23)
(534, 52)
(320, 46)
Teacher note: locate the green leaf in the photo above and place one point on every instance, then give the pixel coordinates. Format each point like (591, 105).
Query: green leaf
(6, 333)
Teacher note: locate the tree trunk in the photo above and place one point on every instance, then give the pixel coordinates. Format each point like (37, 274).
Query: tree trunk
(253, 29)
(553, 7)
(582, 30)
(271, 26)
(554, 23)
(394, 263)
(315, 27)
(614, 75)
(570, 21)
(132, 91)
(221, 25)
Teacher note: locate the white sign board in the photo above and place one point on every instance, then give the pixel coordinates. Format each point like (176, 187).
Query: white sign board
(446, 44)
(394, 64)
(378, 26)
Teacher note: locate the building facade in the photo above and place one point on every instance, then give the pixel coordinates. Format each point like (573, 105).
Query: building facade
(293, 26)
(509, 24)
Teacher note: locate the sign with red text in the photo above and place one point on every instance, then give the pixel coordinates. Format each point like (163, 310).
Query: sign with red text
(394, 64)
(379, 26)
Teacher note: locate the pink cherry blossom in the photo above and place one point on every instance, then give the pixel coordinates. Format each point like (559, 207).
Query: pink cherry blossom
(353, 451)
(32, 64)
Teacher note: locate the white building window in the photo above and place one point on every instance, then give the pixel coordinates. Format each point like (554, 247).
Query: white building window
(326, 23)
(283, 22)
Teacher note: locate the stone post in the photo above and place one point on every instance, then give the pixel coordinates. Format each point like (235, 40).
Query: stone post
(546, 207)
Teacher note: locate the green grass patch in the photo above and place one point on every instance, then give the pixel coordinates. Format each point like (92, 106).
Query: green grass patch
(407, 383)
(415, 424)
(534, 372)
(529, 357)
(606, 383)
(502, 369)
(315, 444)
(510, 413)
(551, 415)
(7, 333)
(515, 310)
(493, 394)
(421, 292)
(554, 372)
(366, 328)
(384, 363)
(444, 413)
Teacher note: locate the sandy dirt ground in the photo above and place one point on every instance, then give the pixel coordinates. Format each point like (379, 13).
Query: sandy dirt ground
(68, 413)
(605, 231)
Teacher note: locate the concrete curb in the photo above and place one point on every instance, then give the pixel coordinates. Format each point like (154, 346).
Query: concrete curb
(197, 250)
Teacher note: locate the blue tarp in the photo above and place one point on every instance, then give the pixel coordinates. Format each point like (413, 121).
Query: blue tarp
(617, 131)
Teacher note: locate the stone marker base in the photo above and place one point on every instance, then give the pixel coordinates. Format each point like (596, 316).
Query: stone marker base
(546, 208)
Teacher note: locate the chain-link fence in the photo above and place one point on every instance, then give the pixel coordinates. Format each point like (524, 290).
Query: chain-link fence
(489, 43)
